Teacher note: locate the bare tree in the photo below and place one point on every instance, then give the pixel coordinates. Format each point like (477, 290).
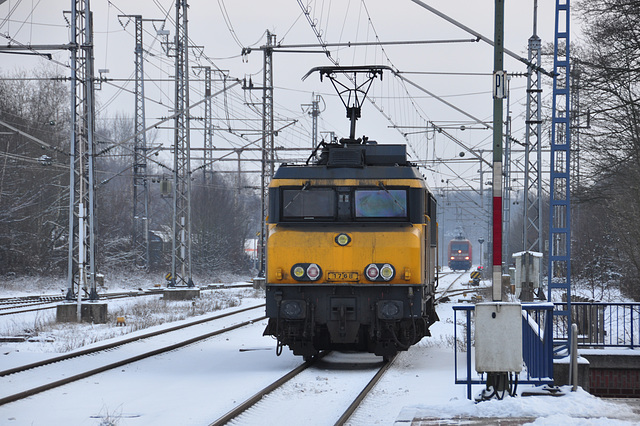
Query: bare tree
(220, 225)
(610, 151)
(33, 179)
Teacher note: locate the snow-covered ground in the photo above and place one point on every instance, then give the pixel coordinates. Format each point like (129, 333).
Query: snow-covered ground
(197, 385)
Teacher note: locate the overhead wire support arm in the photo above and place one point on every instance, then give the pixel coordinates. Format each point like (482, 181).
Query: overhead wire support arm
(481, 37)
(462, 145)
(35, 47)
(246, 148)
(33, 138)
(449, 104)
(366, 43)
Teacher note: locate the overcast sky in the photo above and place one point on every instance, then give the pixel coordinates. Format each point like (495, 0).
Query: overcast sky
(244, 23)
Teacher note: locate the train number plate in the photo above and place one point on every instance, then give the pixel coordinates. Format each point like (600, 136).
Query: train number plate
(342, 276)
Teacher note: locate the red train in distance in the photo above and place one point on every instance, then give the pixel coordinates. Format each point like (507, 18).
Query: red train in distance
(460, 254)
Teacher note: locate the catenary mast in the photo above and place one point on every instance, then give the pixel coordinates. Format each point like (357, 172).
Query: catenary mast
(81, 263)
(181, 246)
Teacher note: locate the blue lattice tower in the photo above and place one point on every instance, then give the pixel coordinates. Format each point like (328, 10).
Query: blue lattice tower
(559, 274)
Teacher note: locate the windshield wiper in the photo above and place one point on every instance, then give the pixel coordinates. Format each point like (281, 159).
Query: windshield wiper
(381, 185)
(304, 187)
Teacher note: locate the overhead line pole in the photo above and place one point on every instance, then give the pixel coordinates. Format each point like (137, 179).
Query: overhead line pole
(208, 125)
(268, 134)
(559, 272)
(140, 183)
(81, 249)
(267, 145)
(532, 232)
(181, 247)
(506, 194)
(141, 216)
(81, 264)
(499, 93)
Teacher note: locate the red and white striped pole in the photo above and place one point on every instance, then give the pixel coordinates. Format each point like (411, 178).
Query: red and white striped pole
(499, 92)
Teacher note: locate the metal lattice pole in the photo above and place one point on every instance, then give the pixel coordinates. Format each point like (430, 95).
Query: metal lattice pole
(315, 112)
(140, 182)
(559, 275)
(208, 126)
(181, 247)
(81, 262)
(267, 144)
(532, 232)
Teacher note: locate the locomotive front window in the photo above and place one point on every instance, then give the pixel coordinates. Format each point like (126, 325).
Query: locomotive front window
(457, 247)
(380, 203)
(308, 203)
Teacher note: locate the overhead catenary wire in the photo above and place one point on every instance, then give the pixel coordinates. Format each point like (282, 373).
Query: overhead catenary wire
(124, 88)
(402, 111)
(227, 21)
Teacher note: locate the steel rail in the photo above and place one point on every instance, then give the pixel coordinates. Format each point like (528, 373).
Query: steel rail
(33, 391)
(444, 293)
(122, 342)
(363, 394)
(42, 308)
(57, 299)
(106, 296)
(253, 400)
(260, 394)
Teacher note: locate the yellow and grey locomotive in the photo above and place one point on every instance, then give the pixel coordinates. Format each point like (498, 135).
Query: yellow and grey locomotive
(351, 245)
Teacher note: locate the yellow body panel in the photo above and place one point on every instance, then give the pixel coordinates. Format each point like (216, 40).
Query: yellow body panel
(399, 246)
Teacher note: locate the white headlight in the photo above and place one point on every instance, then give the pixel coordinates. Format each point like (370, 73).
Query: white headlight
(386, 272)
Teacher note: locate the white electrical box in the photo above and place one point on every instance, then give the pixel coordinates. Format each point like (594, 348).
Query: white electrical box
(498, 337)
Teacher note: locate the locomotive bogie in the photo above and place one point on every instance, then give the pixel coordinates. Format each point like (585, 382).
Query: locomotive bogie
(381, 319)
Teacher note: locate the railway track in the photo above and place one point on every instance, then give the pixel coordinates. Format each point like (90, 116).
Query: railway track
(23, 304)
(300, 377)
(41, 372)
(7, 305)
(15, 305)
(444, 293)
(448, 293)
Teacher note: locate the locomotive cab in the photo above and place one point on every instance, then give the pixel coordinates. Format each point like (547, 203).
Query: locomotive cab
(351, 252)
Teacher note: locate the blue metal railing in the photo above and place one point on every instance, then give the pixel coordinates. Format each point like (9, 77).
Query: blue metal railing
(537, 341)
(599, 325)
(602, 324)
(537, 345)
